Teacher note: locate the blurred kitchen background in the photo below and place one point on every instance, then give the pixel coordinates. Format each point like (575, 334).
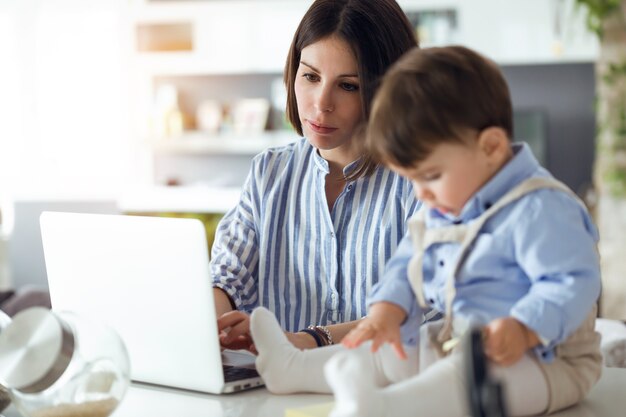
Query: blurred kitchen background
(158, 106)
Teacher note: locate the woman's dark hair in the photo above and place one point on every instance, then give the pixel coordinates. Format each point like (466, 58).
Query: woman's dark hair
(431, 95)
(378, 33)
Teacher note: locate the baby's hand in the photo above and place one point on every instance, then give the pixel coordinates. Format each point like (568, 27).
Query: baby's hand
(507, 340)
(382, 325)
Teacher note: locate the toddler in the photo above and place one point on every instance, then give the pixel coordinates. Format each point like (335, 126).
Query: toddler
(501, 245)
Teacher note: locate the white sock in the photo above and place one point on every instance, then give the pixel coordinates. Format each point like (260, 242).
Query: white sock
(389, 369)
(438, 392)
(351, 377)
(522, 381)
(286, 369)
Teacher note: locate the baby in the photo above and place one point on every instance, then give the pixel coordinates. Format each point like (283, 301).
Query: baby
(501, 245)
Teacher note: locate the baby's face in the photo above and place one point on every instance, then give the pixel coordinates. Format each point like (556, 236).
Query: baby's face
(450, 175)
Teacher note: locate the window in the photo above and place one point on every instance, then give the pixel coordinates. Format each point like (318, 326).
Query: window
(65, 102)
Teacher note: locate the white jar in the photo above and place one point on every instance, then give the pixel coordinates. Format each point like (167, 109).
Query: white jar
(59, 365)
(5, 277)
(5, 398)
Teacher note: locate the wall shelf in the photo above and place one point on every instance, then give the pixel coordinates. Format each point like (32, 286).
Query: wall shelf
(227, 36)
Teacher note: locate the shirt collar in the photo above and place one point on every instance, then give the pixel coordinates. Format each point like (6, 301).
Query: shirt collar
(323, 166)
(522, 166)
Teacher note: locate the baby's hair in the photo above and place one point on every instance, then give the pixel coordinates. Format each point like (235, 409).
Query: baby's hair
(432, 95)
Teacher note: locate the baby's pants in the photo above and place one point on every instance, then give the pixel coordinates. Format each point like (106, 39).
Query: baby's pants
(425, 382)
(441, 389)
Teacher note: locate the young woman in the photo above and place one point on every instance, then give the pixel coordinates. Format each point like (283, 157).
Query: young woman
(317, 219)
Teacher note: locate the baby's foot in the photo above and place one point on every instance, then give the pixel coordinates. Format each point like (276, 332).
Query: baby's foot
(276, 353)
(351, 378)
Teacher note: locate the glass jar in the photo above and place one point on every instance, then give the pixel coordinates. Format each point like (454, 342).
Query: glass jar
(5, 276)
(5, 320)
(59, 365)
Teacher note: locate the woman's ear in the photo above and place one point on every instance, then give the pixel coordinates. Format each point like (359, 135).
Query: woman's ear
(495, 144)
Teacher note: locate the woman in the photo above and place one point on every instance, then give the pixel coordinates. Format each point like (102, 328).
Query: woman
(317, 219)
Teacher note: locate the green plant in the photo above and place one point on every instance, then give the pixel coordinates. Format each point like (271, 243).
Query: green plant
(612, 128)
(605, 18)
(597, 12)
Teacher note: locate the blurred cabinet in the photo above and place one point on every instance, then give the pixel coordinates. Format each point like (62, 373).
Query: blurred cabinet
(515, 32)
(217, 53)
(224, 58)
(233, 36)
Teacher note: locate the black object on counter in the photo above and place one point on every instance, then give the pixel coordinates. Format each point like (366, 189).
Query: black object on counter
(485, 396)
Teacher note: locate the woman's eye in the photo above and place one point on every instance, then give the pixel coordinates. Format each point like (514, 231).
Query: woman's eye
(349, 87)
(310, 77)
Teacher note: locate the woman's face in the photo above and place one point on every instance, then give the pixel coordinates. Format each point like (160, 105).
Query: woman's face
(327, 93)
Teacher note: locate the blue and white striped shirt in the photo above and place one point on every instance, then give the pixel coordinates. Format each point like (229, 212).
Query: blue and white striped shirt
(281, 248)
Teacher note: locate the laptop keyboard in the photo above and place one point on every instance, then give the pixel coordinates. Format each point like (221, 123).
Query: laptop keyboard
(233, 373)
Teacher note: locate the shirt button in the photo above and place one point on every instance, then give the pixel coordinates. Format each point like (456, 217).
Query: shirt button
(332, 234)
(431, 300)
(441, 263)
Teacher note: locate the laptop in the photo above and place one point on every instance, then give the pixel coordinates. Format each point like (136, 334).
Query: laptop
(148, 278)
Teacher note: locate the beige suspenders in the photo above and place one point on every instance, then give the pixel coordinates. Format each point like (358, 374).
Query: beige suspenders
(464, 234)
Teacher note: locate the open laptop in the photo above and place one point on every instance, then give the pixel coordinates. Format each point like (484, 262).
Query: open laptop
(148, 278)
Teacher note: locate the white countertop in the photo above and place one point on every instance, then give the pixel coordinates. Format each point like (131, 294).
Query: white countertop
(162, 402)
(607, 399)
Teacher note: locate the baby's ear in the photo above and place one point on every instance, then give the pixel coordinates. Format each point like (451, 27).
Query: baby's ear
(494, 142)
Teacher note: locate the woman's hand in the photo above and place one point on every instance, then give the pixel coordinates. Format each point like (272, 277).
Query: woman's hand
(382, 325)
(234, 331)
(507, 340)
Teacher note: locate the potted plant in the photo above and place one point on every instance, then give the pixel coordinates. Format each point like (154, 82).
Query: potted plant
(607, 18)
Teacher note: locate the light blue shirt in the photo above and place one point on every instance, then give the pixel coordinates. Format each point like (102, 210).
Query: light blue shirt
(281, 248)
(535, 260)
